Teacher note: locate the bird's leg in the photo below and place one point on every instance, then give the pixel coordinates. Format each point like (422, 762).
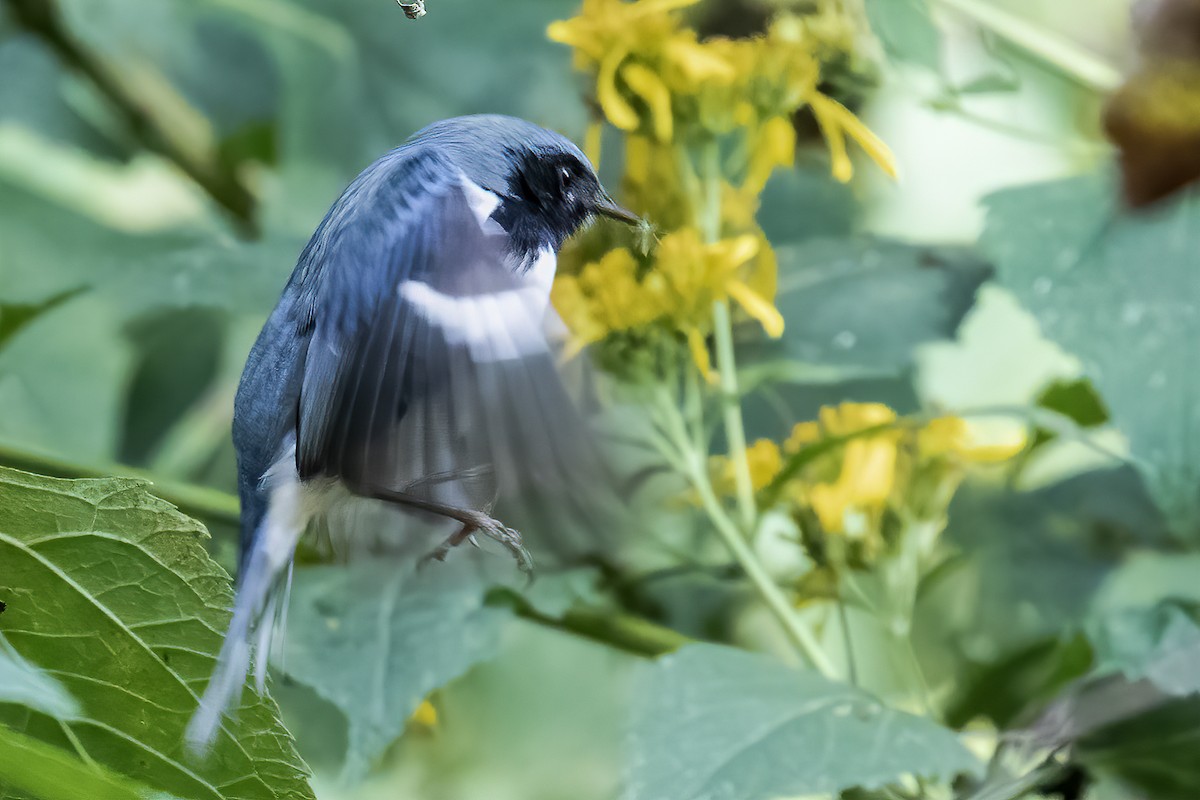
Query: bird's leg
(472, 522)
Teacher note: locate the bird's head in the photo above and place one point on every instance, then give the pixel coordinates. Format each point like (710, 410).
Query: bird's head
(546, 185)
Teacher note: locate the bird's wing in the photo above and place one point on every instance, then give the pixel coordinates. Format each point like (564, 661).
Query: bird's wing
(428, 371)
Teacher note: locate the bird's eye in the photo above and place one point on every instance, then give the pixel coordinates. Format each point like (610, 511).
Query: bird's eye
(565, 176)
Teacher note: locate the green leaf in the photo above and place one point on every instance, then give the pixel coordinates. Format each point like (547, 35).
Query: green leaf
(35, 768)
(376, 639)
(1160, 644)
(109, 589)
(1022, 550)
(1120, 292)
(25, 685)
(864, 304)
(906, 31)
(15, 316)
(718, 723)
(1154, 752)
(1076, 400)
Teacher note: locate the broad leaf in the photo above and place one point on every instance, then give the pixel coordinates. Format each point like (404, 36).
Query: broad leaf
(109, 589)
(30, 767)
(1122, 293)
(1161, 644)
(906, 31)
(15, 316)
(718, 723)
(24, 684)
(376, 639)
(865, 304)
(1154, 752)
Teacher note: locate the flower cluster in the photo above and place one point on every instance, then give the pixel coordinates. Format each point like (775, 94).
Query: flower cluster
(706, 122)
(862, 469)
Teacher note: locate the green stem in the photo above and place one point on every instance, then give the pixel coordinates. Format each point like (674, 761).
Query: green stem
(735, 432)
(165, 122)
(635, 635)
(731, 407)
(1048, 46)
(691, 463)
(771, 594)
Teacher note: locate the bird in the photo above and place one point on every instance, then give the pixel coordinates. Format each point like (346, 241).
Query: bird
(407, 363)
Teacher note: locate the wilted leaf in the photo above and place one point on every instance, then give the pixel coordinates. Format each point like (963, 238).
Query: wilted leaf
(376, 639)
(109, 589)
(1122, 293)
(722, 724)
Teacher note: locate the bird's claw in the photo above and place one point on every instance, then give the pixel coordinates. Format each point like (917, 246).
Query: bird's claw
(509, 538)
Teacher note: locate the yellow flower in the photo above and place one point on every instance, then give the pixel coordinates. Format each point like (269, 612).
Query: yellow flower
(764, 459)
(425, 715)
(772, 146)
(952, 437)
(837, 122)
(606, 296)
(867, 473)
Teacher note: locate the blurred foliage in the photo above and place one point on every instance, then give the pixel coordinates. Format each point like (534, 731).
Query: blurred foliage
(1026, 628)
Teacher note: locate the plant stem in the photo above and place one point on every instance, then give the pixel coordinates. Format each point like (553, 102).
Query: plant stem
(805, 642)
(635, 635)
(154, 112)
(1053, 48)
(691, 463)
(731, 407)
(735, 432)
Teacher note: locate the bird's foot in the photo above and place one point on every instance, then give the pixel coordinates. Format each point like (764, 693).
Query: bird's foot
(493, 529)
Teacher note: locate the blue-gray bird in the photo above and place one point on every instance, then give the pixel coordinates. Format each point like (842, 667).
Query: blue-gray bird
(407, 361)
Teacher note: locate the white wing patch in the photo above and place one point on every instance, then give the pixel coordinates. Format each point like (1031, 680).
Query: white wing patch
(483, 203)
(495, 326)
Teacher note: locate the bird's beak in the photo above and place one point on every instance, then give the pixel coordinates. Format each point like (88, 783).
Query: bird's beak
(606, 206)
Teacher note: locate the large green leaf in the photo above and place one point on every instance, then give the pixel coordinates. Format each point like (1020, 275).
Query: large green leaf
(375, 639)
(109, 590)
(29, 766)
(1122, 293)
(864, 304)
(1154, 752)
(24, 684)
(1160, 644)
(906, 31)
(718, 723)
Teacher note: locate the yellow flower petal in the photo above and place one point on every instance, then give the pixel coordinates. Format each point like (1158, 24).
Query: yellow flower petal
(835, 138)
(646, 7)
(591, 143)
(697, 62)
(830, 505)
(773, 146)
(425, 715)
(699, 350)
(836, 122)
(741, 249)
(618, 111)
(803, 434)
(653, 92)
(754, 305)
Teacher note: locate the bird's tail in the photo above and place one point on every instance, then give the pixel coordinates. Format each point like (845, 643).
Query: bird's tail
(260, 604)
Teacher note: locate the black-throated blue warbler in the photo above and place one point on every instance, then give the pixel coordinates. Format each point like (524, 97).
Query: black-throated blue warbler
(407, 362)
